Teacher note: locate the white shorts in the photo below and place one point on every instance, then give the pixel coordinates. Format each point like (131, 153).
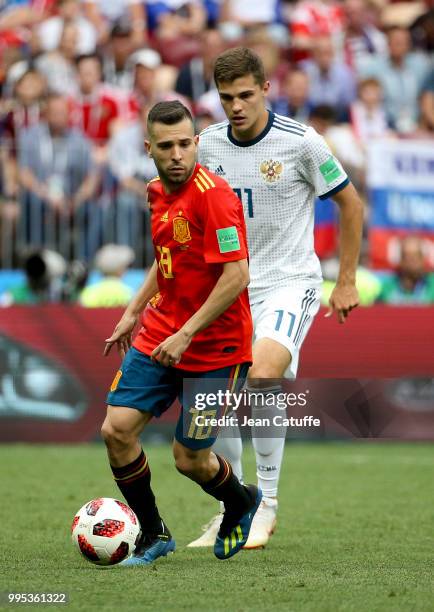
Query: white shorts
(286, 316)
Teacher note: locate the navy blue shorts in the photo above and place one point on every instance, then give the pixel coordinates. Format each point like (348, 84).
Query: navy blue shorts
(150, 387)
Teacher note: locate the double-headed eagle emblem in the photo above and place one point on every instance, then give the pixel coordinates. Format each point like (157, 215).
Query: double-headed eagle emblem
(271, 170)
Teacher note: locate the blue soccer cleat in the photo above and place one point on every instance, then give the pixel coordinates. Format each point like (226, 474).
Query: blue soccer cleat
(151, 548)
(233, 534)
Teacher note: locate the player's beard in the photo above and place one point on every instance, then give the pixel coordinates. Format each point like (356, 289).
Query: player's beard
(179, 178)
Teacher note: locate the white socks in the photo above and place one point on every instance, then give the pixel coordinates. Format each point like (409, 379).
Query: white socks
(268, 440)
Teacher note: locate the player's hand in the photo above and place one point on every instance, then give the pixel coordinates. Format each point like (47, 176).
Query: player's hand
(169, 352)
(342, 301)
(122, 336)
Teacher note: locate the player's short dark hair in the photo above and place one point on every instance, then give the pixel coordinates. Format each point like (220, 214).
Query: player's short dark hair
(168, 113)
(236, 63)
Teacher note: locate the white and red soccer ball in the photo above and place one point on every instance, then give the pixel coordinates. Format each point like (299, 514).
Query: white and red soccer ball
(105, 531)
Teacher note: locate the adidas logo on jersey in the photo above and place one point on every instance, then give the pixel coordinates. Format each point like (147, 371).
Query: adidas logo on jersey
(219, 171)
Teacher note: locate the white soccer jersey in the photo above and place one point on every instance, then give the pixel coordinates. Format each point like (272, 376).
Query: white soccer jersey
(277, 176)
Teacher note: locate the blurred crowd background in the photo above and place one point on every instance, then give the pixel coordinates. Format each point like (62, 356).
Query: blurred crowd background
(78, 77)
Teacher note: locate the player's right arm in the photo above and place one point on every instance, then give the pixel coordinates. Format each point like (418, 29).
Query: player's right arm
(122, 334)
(231, 283)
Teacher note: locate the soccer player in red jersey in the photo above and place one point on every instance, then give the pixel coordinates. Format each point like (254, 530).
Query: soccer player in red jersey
(195, 337)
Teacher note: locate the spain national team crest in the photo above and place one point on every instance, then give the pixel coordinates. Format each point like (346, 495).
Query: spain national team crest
(181, 230)
(271, 170)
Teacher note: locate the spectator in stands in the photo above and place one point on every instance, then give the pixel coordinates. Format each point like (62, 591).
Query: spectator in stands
(9, 55)
(311, 19)
(112, 261)
(249, 14)
(146, 63)
(133, 168)
(97, 106)
(425, 125)
(128, 159)
(58, 177)
(44, 270)
(24, 108)
(294, 99)
(18, 24)
(116, 68)
(341, 140)
(321, 118)
(262, 42)
(68, 11)
(361, 39)
(411, 284)
(196, 76)
(401, 75)
(175, 19)
(58, 66)
(20, 112)
(422, 29)
(368, 117)
(151, 82)
(209, 106)
(331, 81)
(16, 16)
(204, 116)
(105, 13)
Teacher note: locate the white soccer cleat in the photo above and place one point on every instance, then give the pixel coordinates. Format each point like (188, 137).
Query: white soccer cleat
(263, 526)
(209, 535)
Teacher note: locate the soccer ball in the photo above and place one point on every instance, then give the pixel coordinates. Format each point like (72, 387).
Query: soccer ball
(105, 531)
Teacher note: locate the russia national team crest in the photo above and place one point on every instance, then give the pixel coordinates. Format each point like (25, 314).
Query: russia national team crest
(181, 231)
(271, 170)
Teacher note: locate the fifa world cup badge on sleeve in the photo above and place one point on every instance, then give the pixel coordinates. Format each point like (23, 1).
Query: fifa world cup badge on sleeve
(330, 171)
(228, 239)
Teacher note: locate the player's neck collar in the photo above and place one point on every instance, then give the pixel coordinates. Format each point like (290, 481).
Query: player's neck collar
(258, 138)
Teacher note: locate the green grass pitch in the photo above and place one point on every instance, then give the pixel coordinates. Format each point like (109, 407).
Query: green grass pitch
(355, 532)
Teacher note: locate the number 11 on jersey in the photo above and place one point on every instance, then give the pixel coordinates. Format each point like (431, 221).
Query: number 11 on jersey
(243, 194)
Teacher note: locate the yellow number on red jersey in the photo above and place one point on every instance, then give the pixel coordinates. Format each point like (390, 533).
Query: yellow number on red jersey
(165, 263)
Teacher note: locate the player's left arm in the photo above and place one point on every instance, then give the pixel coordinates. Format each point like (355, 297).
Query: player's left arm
(319, 167)
(231, 283)
(345, 296)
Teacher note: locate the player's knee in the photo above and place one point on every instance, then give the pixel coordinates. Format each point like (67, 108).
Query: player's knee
(262, 370)
(188, 463)
(116, 438)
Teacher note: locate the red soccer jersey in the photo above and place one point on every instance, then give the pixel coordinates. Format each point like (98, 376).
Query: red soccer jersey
(195, 230)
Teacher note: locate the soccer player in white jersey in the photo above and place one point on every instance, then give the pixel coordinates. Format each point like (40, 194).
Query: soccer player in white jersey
(277, 166)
